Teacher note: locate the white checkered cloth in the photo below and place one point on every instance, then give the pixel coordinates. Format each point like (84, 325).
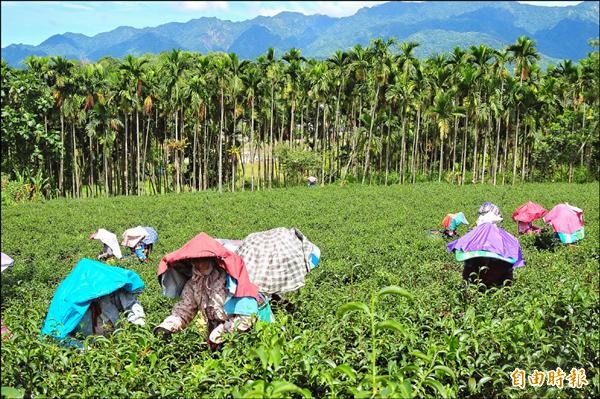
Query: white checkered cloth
(278, 260)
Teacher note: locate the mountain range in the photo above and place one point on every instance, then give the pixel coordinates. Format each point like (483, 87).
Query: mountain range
(559, 32)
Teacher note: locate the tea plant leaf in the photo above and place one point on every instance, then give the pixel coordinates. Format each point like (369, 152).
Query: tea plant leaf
(395, 290)
(421, 355)
(352, 307)
(483, 381)
(390, 325)
(281, 387)
(446, 370)
(12, 393)
(263, 356)
(472, 385)
(437, 385)
(406, 389)
(346, 370)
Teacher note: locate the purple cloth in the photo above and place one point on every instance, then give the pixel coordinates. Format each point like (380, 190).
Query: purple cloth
(489, 237)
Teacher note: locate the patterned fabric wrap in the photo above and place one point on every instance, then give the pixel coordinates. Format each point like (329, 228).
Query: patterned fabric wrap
(488, 207)
(152, 236)
(453, 220)
(278, 260)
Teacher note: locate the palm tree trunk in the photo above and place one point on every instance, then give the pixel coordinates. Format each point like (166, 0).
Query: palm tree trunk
(454, 148)
(523, 154)
(324, 135)
(271, 160)
(475, 160)
(292, 122)
(137, 150)
(74, 171)
(367, 155)
(485, 146)
(194, 150)
(61, 172)
(505, 158)
(176, 153)
(91, 175)
(205, 149)
(252, 154)
(414, 164)
(221, 145)
(514, 175)
(145, 149)
(105, 167)
(126, 174)
(403, 149)
(441, 163)
(495, 170)
(387, 155)
(464, 155)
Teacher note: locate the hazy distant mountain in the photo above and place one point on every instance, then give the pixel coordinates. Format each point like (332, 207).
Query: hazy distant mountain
(559, 32)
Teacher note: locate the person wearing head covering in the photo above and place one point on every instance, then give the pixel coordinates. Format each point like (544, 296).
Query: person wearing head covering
(489, 253)
(212, 281)
(489, 213)
(140, 241)
(567, 222)
(525, 215)
(451, 222)
(205, 292)
(91, 300)
(110, 244)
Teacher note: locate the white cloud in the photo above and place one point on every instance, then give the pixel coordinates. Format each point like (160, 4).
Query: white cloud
(76, 6)
(64, 4)
(329, 8)
(551, 3)
(203, 5)
(341, 8)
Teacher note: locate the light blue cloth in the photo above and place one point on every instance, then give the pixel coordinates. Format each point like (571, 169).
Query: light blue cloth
(88, 280)
(457, 220)
(246, 305)
(575, 236)
(315, 256)
(152, 236)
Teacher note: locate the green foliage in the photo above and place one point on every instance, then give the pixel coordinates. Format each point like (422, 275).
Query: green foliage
(407, 325)
(296, 162)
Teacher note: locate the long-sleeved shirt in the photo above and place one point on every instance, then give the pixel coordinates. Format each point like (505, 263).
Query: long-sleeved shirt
(205, 293)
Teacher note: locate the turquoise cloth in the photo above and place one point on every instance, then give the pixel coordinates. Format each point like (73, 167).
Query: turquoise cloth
(88, 280)
(246, 305)
(566, 238)
(462, 256)
(457, 220)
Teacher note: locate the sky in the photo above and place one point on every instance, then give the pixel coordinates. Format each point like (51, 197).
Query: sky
(32, 22)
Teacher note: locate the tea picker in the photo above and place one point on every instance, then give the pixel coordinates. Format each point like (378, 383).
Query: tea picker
(90, 301)
(489, 253)
(111, 245)
(140, 240)
(567, 222)
(526, 214)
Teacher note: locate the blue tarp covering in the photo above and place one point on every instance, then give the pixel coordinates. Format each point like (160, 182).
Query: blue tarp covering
(89, 280)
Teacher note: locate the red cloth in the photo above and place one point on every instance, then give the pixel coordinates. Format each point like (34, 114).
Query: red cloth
(447, 220)
(204, 246)
(528, 212)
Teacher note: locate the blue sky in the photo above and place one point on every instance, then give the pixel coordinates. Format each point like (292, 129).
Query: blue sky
(32, 22)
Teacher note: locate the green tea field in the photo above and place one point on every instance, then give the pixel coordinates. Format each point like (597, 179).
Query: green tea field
(344, 334)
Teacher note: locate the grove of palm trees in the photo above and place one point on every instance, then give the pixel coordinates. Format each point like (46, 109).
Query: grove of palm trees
(184, 121)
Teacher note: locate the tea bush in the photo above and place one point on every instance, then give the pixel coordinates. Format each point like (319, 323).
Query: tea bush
(431, 336)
